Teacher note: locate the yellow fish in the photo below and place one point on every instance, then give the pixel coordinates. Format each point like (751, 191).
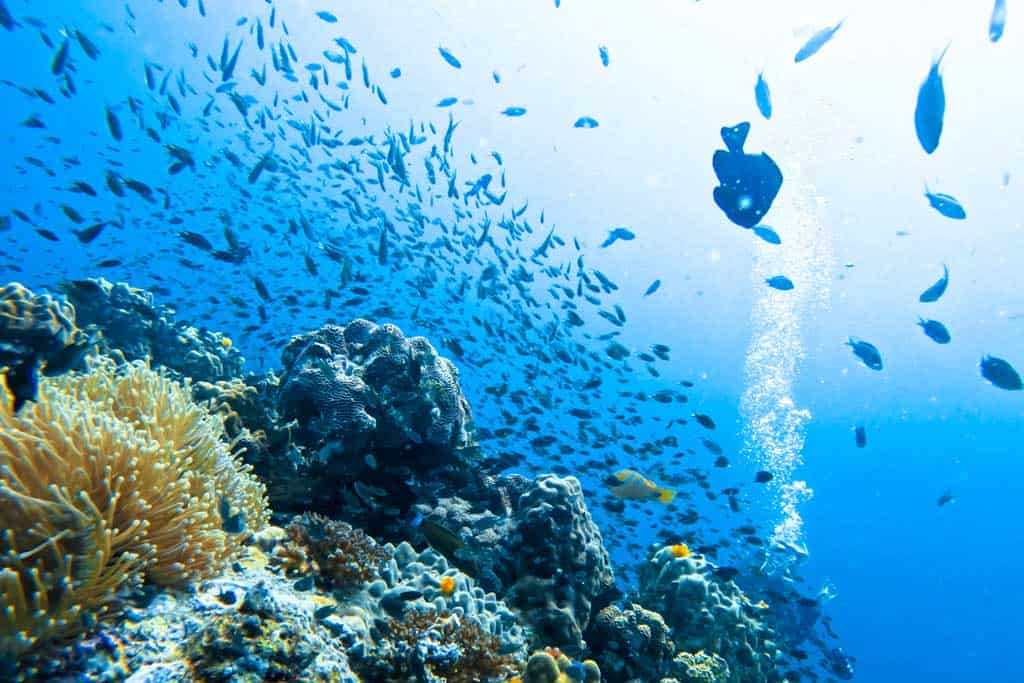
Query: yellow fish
(632, 485)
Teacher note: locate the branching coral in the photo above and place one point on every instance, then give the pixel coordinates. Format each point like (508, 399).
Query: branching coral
(344, 555)
(112, 476)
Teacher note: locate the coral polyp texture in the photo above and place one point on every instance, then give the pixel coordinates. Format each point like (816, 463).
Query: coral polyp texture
(139, 328)
(366, 382)
(111, 478)
(709, 615)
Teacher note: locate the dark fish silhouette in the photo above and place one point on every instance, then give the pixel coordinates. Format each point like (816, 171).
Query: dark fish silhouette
(780, 282)
(616, 234)
(934, 292)
(763, 96)
(767, 234)
(816, 42)
(945, 498)
(22, 382)
(653, 288)
(1000, 373)
(866, 352)
(860, 436)
(748, 183)
(945, 204)
(935, 330)
(763, 477)
(931, 107)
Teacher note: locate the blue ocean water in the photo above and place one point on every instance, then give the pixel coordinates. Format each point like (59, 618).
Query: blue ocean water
(309, 166)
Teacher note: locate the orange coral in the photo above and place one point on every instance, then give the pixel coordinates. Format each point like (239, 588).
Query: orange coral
(447, 585)
(680, 550)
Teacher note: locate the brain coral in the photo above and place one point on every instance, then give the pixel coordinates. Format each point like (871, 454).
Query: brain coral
(363, 382)
(112, 477)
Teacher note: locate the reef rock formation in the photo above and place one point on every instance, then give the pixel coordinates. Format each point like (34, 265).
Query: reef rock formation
(364, 383)
(543, 551)
(133, 324)
(708, 614)
(377, 422)
(633, 644)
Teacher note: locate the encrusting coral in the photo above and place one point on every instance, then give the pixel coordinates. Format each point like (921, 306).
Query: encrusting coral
(112, 477)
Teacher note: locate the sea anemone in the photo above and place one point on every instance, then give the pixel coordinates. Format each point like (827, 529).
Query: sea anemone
(112, 477)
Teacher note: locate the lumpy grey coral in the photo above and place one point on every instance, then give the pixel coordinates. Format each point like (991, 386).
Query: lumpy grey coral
(634, 644)
(708, 614)
(132, 323)
(377, 422)
(541, 549)
(364, 383)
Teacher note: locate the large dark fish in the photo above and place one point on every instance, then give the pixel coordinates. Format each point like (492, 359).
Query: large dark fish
(931, 107)
(748, 183)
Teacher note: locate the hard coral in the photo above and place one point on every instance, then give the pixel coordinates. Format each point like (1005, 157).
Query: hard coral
(112, 476)
(345, 556)
(429, 645)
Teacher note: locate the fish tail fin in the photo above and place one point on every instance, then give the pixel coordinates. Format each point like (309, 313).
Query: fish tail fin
(942, 54)
(666, 496)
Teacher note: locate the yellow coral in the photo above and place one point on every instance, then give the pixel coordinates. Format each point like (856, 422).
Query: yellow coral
(447, 585)
(111, 476)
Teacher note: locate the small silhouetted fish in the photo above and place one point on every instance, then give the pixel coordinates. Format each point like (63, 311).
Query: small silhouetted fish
(712, 446)
(441, 538)
(447, 101)
(327, 16)
(762, 477)
(767, 234)
(653, 288)
(726, 573)
(86, 235)
(945, 498)
(945, 204)
(114, 125)
(602, 52)
(780, 282)
(931, 107)
(998, 21)
(704, 420)
(196, 240)
(585, 122)
(616, 234)
(937, 290)
(22, 382)
(935, 330)
(304, 584)
(866, 352)
(816, 42)
(513, 111)
(325, 611)
(763, 96)
(1000, 373)
(450, 58)
(860, 436)
(721, 461)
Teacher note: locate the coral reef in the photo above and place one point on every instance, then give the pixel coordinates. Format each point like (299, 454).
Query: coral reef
(112, 477)
(364, 383)
(698, 667)
(343, 556)
(634, 644)
(133, 324)
(435, 646)
(550, 665)
(563, 572)
(375, 422)
(708, 615)
(247, 624)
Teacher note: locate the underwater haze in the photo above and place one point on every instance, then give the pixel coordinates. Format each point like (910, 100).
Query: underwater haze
(560, 198)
